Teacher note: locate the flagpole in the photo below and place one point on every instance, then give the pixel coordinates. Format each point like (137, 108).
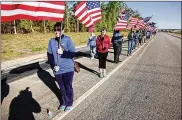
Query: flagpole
(60, 35)
(59, 44)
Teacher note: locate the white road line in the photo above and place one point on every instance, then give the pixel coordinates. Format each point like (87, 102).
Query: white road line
(91, 90)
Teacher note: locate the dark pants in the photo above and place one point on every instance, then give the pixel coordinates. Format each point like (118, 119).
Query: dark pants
(102, 59)
(140, 41)
(144, 38)
(133, 44)
(117, 51)
(65, 84)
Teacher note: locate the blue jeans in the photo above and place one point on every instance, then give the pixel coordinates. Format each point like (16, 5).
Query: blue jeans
(133, 44)
(129, 47)
(92, 51)
(65, 84)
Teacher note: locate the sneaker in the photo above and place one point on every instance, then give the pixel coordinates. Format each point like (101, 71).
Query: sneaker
(101, 75)
(68, 108)
(92, 58)
(62, 107)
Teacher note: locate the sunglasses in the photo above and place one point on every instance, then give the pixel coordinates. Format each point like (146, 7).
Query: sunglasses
(57, 29)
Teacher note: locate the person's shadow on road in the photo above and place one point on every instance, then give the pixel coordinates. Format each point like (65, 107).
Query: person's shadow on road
(23, 106)
(4, 89)
(88, 69)
(49, 81)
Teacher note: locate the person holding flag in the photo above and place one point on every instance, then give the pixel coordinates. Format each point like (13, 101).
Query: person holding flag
(61, 49)
(117, 44)
(61, 52)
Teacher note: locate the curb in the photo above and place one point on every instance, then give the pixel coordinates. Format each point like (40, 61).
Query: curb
(41, 59)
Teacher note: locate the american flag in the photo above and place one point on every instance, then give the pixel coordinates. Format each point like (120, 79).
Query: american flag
(88, 13)
(132, 23)
(152, 24)
(53, 11)
(146, 19)
(137, 27)
(147, 26)
(122, 22)
(140, 24)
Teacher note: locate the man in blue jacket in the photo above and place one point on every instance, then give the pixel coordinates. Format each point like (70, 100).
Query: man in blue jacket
(61, 53)
(117, 45)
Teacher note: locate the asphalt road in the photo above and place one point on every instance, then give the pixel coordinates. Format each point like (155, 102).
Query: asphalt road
(147, 87)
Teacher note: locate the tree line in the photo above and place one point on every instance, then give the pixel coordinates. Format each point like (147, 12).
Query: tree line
(110, 13)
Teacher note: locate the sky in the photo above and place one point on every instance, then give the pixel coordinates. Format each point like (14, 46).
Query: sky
(167, 15)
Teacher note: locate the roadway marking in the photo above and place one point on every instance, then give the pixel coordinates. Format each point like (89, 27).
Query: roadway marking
(91, 90)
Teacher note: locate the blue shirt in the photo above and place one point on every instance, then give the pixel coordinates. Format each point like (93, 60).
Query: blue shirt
(92, 41)
(117, 37)
(65, 60)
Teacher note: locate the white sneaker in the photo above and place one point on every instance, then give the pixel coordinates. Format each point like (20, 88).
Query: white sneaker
(92, 58)
(101, 75)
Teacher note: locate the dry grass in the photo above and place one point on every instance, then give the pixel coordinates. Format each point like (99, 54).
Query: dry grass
(176, 34)
(21, 45)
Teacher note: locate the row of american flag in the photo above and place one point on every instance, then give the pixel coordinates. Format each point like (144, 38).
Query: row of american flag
(87, 12)
(127, 21)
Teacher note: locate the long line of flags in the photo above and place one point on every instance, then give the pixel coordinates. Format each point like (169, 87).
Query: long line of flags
(87, 12)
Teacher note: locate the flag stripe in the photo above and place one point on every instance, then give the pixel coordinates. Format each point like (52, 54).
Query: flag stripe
(32, 8)
(96, 19)
(6, 5)
(30, 3)
(94, 10)
(95, 14)
(18, 11)
(53, 11)
(20, 16)
(80, 7)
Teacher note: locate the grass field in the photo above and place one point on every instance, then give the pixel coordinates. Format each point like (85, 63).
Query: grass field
(176, 34)
(21, 45)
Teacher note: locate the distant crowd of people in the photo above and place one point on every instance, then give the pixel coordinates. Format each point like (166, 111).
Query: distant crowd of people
(61, 53)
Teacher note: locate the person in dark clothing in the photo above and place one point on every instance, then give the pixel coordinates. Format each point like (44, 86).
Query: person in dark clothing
(137, 40)
(144, 37)
(130, 38)
(102, 45)
(140, 37)
(134, 40)
(117, 45)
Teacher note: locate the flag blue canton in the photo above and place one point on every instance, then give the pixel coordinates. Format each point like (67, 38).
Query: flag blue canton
(146, 19)
(92, 5)
(126, 16)
(152, 24)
